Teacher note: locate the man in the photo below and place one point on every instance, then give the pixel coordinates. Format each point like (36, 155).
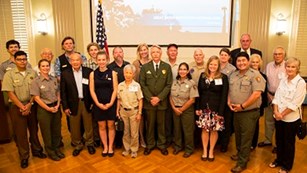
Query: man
(172, 52)
(62, 62)
(198, 65)
(47, 54)
(118, 66)
(244, 98)
(156, 80)
(17, 83)
(12, 46)
(77, 102)
(275, 71)
(245, 47)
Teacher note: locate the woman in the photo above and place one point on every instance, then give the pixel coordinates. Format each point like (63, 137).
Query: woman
(213, 91)
(45, 90)
(287, 104)
(142, 54)
(226, 68)
(256, 64)
(103, 88)
(129, 108)
(182, 98)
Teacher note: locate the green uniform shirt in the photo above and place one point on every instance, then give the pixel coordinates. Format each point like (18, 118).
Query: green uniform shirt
(181, 92)
(47, 89)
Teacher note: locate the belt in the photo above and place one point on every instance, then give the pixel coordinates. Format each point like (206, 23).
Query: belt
(130, 109)
(252, 110)
(52, 104)
(178, 106)
(81, 99)
(273, 94)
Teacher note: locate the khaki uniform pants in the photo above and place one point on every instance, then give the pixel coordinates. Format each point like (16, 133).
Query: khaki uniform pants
(131, 130)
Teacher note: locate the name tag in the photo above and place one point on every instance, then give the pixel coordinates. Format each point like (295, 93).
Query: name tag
(16, 81)
(218, 81)
(42, 87)
(85, 81)
(8, 68)
(64, 65)
(133, 88)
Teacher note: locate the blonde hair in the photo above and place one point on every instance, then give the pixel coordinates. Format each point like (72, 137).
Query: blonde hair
(138, 57)
(218, 74)
(256, 56)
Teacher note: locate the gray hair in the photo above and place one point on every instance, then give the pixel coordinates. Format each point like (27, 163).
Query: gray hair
(130, 67)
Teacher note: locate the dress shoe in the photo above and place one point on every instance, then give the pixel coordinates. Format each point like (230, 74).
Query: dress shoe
(59, 154)
(96, 143)
(111, 154)
(238, 169)
(24, 163)
(263, 144)
(147, 151)
(40, 155)
(234, 157)
(274, 164)
(54, 157)
(210, 159)
(274, 150)
(76, 152)
(186, 155)
(164, 151)
(104, 154)
(204, 158)
(91, 150)
(176, 151)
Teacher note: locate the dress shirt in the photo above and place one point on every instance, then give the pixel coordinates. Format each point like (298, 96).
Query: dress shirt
(78, 79)
(274, 74)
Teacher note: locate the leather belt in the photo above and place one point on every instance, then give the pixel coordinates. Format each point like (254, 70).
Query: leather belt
(52, 104)
(130, 109)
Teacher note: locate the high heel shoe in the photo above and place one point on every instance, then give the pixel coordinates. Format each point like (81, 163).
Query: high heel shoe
(104, 154)
(204, 158)
(111, 154)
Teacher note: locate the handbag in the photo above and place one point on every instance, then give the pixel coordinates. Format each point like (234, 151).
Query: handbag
(301, 130)
(119, 124)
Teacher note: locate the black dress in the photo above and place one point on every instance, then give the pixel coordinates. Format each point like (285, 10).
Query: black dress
(104, 88)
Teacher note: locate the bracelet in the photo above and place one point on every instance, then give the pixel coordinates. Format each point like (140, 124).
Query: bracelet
(242, 107)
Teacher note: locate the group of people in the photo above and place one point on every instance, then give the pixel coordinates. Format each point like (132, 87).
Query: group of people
(161, 103)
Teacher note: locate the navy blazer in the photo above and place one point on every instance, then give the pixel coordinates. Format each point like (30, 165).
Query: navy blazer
(69, 91)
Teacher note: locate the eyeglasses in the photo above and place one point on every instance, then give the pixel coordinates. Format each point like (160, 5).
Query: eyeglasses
(21, 59)
(278, 53)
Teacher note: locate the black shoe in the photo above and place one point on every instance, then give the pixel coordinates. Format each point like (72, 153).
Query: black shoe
(54, 157)
(274, 150)
(111, 154)
(238, 169)
(104, 154)
(210, 159)
(76, 152)
(186, 155)
(96, 144)
(91, 149)
(59, 154)
(24, 163)
(164, 151)
(263, 144)
(147, 151)
(40, 155)
(176, 151)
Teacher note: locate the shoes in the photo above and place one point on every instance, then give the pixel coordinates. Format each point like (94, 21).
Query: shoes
(76, 152)
(126, 153)
(104, 154)
(186, 155)
(24, 163)
(40, 155)
(282, 170)
(223, 149)
(54, 157)
(164, 151)
(73, 145)
(204, 158)
(238, 169)
(210, 159)
(263, 144)
(59, 154)
(147, 151)
(134, 154)
(176, 151)
(111, 154)
(91, 150)
(273, 164)
(234, 157)
(96, 143)
(274, 150)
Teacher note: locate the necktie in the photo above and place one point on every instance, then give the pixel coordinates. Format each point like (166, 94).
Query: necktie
(157, 68)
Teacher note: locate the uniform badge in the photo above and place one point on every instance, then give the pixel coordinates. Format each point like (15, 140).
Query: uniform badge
(148, 72)
(187, 86)
(192, 71)
(163, 71)
(8, 68)
(42, 87)
(258, 79)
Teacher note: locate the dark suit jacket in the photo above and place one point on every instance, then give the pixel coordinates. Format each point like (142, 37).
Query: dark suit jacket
(69, 91)
(156, 85)
(234, 52)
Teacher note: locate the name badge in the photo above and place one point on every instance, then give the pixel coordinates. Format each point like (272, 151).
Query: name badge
(64, 65)
(85, 81)
(133, 88)
(218, 81)
(42, 87)
(8, 68)
(16, 80)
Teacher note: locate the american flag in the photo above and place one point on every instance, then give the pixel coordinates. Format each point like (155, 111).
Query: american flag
(101, 37)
